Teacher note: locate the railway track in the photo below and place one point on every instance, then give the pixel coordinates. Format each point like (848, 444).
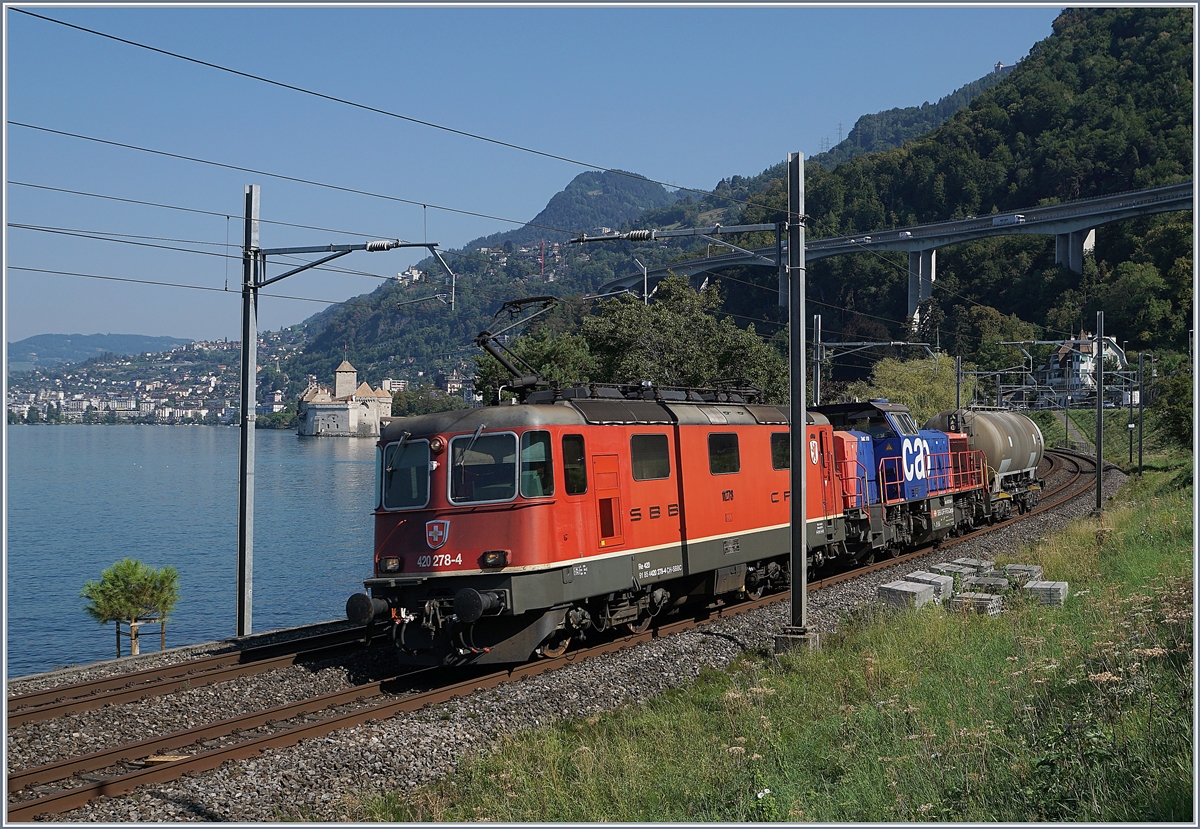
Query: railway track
(64, 700)
(122, 769)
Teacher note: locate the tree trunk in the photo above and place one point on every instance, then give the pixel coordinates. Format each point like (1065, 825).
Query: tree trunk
(134, 650)
(162, 633)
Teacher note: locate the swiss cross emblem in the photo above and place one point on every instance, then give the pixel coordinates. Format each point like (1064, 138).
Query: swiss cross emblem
(436, 533)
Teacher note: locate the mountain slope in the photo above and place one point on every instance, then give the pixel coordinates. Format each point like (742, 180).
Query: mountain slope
(389, 340)
(592, 199)
(1103, 105)
(887, 130)
(57, 349)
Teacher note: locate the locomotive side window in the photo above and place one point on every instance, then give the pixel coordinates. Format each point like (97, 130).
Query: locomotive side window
(723, 457)
(781, 451)
(574, 464)
(405, 474)
(651, 460)
(537, 472)
(483, 468)
(904, 423)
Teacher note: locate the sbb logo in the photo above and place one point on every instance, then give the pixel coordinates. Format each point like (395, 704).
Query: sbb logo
(916, 458)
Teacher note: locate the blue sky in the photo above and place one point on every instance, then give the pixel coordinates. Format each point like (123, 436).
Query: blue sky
(686, 96)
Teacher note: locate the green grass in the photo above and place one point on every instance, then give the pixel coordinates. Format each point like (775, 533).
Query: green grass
(1116, 432)
(1080, 713)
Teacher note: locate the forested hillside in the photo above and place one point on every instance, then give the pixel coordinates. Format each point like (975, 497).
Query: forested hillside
(592, 199)
(385, 339)
(1103, 105)
(882, 131)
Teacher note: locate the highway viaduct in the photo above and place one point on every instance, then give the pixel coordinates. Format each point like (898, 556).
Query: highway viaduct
(1073, 224)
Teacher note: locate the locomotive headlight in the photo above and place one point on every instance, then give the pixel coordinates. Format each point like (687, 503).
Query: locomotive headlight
(391, 564)
(494, 558)
(437, 445)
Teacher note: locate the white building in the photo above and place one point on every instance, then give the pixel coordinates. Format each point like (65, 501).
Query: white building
(1071, 369)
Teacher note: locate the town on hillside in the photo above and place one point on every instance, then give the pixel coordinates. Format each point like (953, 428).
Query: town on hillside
(199, 383)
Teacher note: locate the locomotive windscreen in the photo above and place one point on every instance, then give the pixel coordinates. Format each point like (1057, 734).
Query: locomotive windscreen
(483, 468)
(873, 421)
(406, 475)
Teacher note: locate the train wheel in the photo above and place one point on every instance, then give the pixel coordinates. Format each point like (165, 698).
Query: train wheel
(556, 645)
(757, 591)
(641, 625)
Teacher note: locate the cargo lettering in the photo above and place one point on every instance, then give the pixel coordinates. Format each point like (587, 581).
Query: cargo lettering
(916, 459)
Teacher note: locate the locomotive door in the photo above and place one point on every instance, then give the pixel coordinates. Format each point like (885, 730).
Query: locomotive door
(607, 470)
(821, 497)
(828, 496)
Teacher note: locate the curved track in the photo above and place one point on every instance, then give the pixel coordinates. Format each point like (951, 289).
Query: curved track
(122, 769)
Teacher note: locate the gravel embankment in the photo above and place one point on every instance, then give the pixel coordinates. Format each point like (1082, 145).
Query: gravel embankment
(323, 779)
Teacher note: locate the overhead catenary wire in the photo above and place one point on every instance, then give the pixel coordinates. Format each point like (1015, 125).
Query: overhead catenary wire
(380, 111)
(100, 236)
(479, 291)
(200, 287)
(939, 285)
(190, 209)
(283, 177)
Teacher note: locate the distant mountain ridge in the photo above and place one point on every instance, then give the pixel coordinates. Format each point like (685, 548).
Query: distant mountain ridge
(592, 199)
(43, 350)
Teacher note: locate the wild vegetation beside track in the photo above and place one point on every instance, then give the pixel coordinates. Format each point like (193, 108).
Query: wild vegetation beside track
(1078, 713)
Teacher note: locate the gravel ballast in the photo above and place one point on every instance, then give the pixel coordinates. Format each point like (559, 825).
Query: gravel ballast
(324, 779)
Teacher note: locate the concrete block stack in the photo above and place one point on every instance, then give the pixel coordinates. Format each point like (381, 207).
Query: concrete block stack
(1022, 573)
(942, 585)
(906, 594)
(986, 584)
(981, 586)
(954, 570)
(983, 603)
(1049, 593)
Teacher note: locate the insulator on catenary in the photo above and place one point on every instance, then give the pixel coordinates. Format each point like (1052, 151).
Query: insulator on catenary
(383, 244)
(640, 235)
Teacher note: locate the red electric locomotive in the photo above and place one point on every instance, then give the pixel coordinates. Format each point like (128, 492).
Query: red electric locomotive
(503, 532)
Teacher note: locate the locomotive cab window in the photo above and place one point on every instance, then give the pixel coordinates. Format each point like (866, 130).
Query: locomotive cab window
(574, 465)
(781, 450)
(723, 457)
(404, 474)
(651, 460)
(483, 468)
(537, 472)
(904, 423)
(871, 421)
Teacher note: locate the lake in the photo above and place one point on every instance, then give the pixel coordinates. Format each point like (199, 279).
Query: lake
(83, 497)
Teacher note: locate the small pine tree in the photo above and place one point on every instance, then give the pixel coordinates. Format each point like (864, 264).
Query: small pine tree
(131, 593)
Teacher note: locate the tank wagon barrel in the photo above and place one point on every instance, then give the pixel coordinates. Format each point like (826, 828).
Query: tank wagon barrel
(1011, 443)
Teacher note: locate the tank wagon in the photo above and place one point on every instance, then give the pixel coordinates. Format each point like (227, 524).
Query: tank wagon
(1012, 444)
(504, 532)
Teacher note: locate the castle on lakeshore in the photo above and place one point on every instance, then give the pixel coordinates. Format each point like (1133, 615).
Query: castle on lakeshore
(350, 410)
